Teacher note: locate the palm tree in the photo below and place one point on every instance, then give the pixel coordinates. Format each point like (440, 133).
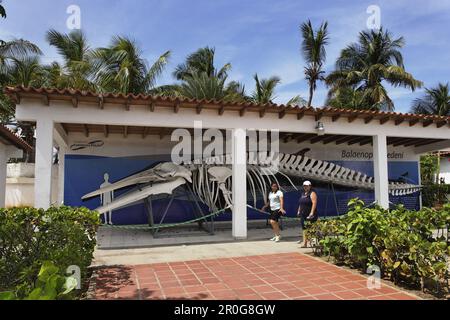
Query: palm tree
(436, 101)
(19, 65)
(198, 85)
(201, 61)
(53, 76)
(26, 72)
(265, 91)
(365, 65)
(11, 52)
(313, 49)
(120, 67)
(200, 79)
(16, 48)
(76, 70)
(347, 98)
(201, 86)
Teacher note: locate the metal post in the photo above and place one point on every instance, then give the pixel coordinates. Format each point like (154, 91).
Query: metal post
(164, 215)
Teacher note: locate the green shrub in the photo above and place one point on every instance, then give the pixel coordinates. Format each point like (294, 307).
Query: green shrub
(408, 246)
(64, 236)
(434, 195)
(50, 285)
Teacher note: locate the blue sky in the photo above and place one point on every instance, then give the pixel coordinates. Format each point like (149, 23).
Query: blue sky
(255, 36)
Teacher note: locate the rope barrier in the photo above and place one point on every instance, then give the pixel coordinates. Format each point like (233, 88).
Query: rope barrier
(169, 225)
(266, 213)
(293, 218)
(214, 214)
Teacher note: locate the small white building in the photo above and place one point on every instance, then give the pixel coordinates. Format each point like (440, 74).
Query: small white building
(11, 146)
(444, 166)
(90, 129)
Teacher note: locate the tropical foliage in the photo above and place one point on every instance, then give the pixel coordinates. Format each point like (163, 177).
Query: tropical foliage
(200, 79)
(434, 194)
(264, 91)
(436, 101)
(359, 81)
(366, 65)
(201, 61)
(76, 70)
(201, 86)
(120, 68)
(17, 63)
(429, 167)
(313, 49)
(63, 236)
(49, 285)
(408, 246)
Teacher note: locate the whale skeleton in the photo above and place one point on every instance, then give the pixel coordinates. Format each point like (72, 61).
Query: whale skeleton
(210, 178)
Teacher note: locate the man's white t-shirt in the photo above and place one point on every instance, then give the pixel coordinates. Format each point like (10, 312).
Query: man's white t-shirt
(274, 200)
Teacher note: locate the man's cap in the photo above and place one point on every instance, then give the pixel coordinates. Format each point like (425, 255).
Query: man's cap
(307, 183)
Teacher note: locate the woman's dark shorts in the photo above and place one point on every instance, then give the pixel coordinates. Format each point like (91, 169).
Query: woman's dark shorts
(303, 221)
(274, 215)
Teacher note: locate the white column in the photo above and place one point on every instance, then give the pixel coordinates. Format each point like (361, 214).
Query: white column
(380, 164)
(239, 224)
(3, 162)
(419, 183)
(43, 166)
(61, 165)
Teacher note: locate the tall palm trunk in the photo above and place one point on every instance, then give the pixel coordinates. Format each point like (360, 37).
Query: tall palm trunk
(311, 94)
(314, 53)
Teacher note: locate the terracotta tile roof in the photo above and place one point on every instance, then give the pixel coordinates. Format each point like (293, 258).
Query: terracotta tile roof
(10, 137)
(77, 95)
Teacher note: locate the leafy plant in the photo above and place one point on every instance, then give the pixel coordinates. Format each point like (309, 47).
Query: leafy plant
(64, 236)
(408, 246)
(50, 285)
(435, 195)
(428, 168)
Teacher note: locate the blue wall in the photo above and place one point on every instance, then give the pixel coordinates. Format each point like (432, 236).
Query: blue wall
(84, 174)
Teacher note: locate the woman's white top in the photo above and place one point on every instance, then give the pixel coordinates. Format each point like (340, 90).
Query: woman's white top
(274, 200)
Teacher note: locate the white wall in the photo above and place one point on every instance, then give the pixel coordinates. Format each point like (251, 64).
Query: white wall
(445, 169)
(115, 145)
(20, 185)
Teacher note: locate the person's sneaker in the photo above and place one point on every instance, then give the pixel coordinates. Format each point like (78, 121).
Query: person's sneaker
(277, 239)
(299, 241)
(273, 239)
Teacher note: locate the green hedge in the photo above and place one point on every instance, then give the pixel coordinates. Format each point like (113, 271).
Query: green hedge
(408, 246)
(435, 194)
(29, 237)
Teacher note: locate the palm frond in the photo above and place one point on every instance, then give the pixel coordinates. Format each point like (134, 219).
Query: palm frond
(296, 101)
(367, 64)
(17, 48)
(156, 69)
(436, 101)
(2, 12)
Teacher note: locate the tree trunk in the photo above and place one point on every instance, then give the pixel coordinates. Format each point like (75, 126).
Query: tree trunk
(311, 93)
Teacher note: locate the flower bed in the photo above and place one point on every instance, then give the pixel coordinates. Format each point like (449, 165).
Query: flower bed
(409, 247)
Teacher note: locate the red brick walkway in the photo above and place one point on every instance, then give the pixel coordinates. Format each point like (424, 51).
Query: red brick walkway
(274, 276)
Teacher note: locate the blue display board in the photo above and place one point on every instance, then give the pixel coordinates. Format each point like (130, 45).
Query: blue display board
(83, 174)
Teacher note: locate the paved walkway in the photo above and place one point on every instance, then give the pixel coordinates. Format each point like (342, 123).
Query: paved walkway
(289, 275)
(120, 237)
(188, 251)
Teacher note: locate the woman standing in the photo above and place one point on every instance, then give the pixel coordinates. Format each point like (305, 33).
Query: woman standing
(276, 203)
(307, 209)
